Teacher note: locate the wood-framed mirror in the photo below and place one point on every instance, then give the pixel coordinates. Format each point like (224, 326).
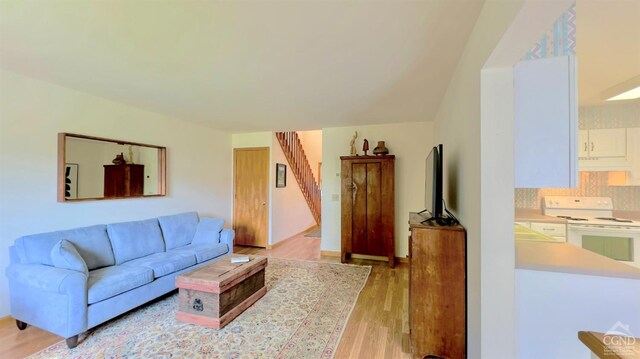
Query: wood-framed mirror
(95, 168)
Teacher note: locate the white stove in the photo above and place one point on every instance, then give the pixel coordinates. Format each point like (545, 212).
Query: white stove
(591, 225)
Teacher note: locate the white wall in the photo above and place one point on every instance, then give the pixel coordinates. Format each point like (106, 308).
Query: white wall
(478, 164)
(148, 156)
(255, 139)
(289, 213)
(553, 307)
(312, 144)
(88, 155)
(409, 142)
(32, 113)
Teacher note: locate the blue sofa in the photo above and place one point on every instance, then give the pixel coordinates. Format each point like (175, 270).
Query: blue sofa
(72, 280)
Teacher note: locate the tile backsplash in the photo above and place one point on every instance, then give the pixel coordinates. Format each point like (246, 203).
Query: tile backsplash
(609, 116)
(591, 184)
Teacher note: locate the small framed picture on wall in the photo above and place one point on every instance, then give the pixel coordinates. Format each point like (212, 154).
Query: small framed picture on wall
(281, 175)
(71, 181)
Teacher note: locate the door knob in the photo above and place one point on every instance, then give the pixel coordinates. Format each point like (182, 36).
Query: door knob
(264, 203)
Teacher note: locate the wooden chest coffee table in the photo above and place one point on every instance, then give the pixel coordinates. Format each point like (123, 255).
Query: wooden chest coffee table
(215, 294)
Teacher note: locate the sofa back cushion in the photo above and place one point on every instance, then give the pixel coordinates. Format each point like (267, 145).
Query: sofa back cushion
(131, 240)
(92, 243)
(178, 230)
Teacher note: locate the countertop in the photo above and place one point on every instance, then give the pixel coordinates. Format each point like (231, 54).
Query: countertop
(567, 258)
(602, 348)
(526, 234)
(535, 215)
(633, 215)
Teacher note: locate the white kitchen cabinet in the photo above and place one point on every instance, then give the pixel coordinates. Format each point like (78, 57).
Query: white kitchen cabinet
(610, 142)
(604, 150)
(631, 175)
(555, 230)
(546, 123)
(583, 143)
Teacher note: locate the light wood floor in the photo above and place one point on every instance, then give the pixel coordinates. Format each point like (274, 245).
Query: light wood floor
(378, 327)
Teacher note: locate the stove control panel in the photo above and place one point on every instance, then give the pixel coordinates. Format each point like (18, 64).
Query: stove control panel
(563, 202)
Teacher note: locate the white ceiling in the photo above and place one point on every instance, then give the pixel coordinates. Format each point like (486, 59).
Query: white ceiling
(607, 48)
(247, 66)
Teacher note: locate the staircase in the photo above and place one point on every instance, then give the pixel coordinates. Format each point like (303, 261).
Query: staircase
(292, 148)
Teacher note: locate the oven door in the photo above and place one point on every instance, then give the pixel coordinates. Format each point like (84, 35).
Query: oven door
(616, 242)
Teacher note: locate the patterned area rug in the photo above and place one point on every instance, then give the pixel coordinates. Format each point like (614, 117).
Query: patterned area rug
(302, 315)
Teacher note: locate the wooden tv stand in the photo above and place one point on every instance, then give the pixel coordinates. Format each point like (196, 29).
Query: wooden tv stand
(437, 289)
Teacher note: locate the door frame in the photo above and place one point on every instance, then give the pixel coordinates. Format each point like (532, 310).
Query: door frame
(267, 188)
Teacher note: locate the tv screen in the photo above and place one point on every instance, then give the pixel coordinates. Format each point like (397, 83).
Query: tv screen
(433, 183)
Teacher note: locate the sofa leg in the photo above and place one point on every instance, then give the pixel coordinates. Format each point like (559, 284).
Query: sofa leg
(21, 325)
(72, 342)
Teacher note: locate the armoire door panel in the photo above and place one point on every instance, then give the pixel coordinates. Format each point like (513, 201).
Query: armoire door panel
(359, 231)
(367, 222)
(375, 244)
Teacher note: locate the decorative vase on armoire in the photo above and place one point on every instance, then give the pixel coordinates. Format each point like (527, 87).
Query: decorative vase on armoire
(368, 206)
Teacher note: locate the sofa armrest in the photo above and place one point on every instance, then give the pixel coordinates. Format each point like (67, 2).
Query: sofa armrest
(50, 298)
(226, 236)
(47, 278)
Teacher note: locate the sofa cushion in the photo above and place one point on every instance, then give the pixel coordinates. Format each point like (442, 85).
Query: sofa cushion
(108, 282)
(64, 255)
(164, 263)
(131, 240)
(203, 252)
(208, 231)
(92, 243)
(178, 230)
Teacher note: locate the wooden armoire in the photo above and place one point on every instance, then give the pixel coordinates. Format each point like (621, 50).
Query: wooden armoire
(368, 206)
(126, 180)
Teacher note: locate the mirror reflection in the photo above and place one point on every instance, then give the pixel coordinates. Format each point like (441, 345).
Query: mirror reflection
(96, 168)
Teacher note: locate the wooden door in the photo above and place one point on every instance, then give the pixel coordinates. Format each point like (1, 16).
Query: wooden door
(375, 235)
(113, 180)
(367, 212)
(359, 208)
(251, 196)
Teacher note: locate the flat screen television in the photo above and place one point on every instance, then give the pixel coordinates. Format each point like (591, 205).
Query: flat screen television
(433, 185)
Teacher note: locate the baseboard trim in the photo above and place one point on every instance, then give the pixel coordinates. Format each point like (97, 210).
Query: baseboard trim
(311, 229)
(364, 256)
(330, 253)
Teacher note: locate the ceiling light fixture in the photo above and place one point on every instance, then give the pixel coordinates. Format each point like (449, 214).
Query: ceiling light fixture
(627, 95)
